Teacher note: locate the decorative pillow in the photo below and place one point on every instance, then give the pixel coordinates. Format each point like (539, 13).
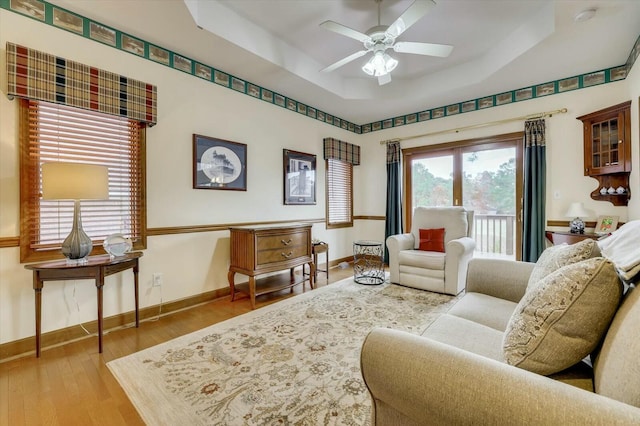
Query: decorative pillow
(556, 257)
(563, 318)
(432, 240)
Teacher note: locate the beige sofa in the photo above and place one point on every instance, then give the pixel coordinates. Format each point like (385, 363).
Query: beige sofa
(456, 374)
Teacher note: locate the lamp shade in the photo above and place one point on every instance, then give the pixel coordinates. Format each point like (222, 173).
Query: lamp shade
(577, 210)
(74, 181)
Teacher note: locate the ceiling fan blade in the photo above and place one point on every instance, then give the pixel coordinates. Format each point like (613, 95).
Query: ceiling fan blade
(384, 79)
(440, 50)
(345, 31)
(345, 61)
(417, 10)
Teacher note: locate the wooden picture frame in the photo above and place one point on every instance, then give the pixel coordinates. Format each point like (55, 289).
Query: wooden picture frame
(219, 164)
(299, 171)
(606, 224)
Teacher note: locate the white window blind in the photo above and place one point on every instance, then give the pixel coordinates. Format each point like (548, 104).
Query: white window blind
(68, 134)
(339, 193)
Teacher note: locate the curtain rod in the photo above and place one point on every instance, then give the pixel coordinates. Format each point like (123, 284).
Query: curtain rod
(475, 126)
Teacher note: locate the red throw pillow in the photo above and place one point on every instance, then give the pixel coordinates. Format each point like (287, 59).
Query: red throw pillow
(432, 240)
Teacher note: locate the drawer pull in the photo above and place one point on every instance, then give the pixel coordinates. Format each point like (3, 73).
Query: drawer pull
(286, 243)
(288, 255)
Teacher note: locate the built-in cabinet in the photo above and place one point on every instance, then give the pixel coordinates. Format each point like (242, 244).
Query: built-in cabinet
(607, 152)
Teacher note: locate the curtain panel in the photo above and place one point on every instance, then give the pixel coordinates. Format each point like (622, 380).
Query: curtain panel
(393, 218)
(335, 149)
(535, 168)
(36, 75)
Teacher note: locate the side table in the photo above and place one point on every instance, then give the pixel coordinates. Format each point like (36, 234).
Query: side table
(557, 237)
(368, 262)
(316, 249)
(96, 268)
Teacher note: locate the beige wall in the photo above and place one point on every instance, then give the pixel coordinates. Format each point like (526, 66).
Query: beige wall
(197, 262)
(564, 144)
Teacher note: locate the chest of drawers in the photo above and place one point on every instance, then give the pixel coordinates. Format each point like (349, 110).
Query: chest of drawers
(259, 250)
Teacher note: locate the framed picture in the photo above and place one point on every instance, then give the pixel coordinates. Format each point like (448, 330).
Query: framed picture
(219, 164)
(299, 177)
(606, 224)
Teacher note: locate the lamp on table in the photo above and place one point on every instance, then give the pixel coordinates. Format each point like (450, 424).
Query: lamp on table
(75, 181)
(577, 211)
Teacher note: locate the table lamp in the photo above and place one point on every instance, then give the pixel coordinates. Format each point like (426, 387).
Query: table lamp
(577, 211)
(75, 181)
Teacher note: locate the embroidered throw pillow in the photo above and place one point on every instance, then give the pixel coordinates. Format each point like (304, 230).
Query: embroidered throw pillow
(563, 318)
(556, 257)
(432, 239)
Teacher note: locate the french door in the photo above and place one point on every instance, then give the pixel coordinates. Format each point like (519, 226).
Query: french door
(483, 175)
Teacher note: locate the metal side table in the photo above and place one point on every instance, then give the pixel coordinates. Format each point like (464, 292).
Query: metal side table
(368, 262)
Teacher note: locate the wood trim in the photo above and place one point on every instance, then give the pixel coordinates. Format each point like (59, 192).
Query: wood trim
(484, 141)
(25, 214)
(57, 337)
(170, 230)
(9, 242)
(365, 217)
(336, 262)
(567, 223)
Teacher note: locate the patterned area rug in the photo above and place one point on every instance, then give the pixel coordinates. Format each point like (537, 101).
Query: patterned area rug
(295, 362)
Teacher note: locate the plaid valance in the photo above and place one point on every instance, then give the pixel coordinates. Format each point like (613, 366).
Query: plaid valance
(393, 152)
(343, 151)
(37, 75)
(534, 132)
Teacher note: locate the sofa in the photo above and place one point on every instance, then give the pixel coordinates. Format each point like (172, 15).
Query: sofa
(468, 366)
(434, 256)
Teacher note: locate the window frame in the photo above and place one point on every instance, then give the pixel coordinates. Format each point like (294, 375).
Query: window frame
(30, 175)
(457, 149)
(347, 188)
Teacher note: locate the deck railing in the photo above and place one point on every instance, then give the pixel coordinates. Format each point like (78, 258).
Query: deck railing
(495, 233)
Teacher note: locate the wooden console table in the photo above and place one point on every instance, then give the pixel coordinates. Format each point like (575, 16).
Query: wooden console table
(96, 268)
(557, 237)
(257, 250)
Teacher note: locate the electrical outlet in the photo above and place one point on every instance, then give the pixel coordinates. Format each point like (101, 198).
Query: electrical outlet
(157, 280)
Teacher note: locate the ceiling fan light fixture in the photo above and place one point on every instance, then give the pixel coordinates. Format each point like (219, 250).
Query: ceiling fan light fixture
(389, 63)
(380, 64)
(368, 67)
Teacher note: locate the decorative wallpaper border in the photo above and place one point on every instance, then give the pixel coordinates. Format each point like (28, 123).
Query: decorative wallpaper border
(67, 20)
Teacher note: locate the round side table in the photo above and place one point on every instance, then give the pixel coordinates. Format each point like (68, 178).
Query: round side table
(368, 262)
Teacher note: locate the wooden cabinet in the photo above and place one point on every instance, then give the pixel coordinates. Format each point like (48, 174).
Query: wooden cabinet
(607, 152)
(264, 249)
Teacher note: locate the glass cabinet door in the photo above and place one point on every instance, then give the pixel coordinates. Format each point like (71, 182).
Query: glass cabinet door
(604, 142)
(605, 145)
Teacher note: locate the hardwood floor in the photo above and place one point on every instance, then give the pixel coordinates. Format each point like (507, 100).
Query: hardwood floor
(72, 385)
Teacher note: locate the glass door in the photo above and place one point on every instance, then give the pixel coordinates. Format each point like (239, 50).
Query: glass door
(489, 189)
(482, 175)
(432, 180)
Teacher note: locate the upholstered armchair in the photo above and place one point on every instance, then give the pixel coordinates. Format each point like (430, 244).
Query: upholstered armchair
(437, 261)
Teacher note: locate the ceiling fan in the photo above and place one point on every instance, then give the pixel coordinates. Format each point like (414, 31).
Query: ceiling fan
(381, 37)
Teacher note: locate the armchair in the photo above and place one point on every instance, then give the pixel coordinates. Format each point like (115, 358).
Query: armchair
(441, 272)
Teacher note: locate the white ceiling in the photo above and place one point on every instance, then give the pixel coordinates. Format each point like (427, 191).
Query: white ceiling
(499, 45)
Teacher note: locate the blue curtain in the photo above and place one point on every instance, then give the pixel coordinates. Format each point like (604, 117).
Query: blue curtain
(535, 166)
(393, 219)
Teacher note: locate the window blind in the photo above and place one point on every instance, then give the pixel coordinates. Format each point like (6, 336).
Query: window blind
(339, 193)
(62, 133)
